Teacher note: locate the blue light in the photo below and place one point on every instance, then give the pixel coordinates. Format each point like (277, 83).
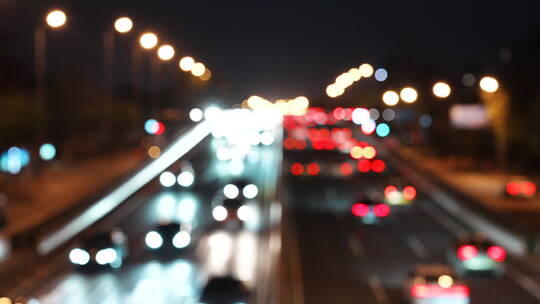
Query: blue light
(47, 152)
(425, 120)
(383, 130)
(381, 75)
(151, 126)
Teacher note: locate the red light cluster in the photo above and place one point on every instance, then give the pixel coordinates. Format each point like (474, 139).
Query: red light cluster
(294, 144)
(525, 188)
(467, 252)
(379, 210)
(425, 291)
(377, 166)
(310, 169)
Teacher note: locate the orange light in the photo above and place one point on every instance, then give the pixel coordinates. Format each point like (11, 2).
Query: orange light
(369, 152)
(356, 152)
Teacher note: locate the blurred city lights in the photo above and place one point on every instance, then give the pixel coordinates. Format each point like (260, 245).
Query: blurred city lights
(167, 179)
(334, 91)
(198, 69)
(212, 113)
(186, 63)
(390, 98)
(408, 95)
(166, 52)
(469, 80)
(154, 152)
(374, 114)
(186, 179)
(151, 126)
(382, 130)
(231, 191)
(366, 70)
(148, 40)
(388, 114)
(344, 80)
(181, 239)
(56, 18)
(47, 152)
(360, 116)
(206, 76)
(489, 84)
(368, 127)
(250, 191)
(267, 138)
(79, 256)
(223, 153)
(441, 90)
(196, 114)
(219, 213)
(14, 160)
(355, 74)
(381, 75)
(123, 25)
(425, 120)
(153, 240)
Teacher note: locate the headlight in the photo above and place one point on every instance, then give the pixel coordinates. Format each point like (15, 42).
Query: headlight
(186, 179)
(219, 213)
(231, 191)
(106, 256)
(245, 213)
(153, 240)
(79, 257)
(181, 240)
(250, 191)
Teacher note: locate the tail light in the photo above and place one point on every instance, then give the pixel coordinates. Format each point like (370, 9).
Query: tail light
(467, 252)
(436, 291)
(381, 210)
(360, 209)
(346, 169)
(364, 166)
(389, 190)
(313, 169)
(297, 169)
(409, 193)
(496, 253)
(528, 189)
(513, 188)
(378, 166)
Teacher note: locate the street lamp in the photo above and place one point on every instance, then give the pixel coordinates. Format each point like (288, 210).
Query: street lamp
(55, 19)
(390, 98)
(198, 69)
(489, 84)
(186, 63)
(408, 95)
(148, 40)
(165, 52)
(366, 70)
(123, 25)
(441, 90)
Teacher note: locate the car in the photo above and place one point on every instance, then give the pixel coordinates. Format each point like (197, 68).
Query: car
(231, 210)
(476, 254)
(168, 237)
(370, 212)
(399, 193)
(101, 250)
(436, 284)
(224, 290)
(240, 189)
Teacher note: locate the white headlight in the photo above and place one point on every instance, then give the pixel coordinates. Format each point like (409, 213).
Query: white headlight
(245, 213)
(79, 256)
(267, 138)
(231, 191)
(181, 240)
(167, 179)
(250, 191)
(219, 213)
(186, 179)
(153, 240)
(106, 256)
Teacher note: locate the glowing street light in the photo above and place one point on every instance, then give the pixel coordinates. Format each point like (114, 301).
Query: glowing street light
(148, 40)
(198, 69)
(441, 89)
(489, 84)
(366, 70)
(186, 63)
(56, 19)
(390, 98)
(206, 76)
(334, 91)
(166, 52)
(408, 95)
(123, 25)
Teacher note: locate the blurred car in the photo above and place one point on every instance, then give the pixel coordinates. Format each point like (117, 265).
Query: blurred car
(224, 290)
(399, 193)
(436, 284)
(370, 212)
(101, 250)
(476, 254)
(240, 189)
(520, 187)
(168, 237)
(231, 210)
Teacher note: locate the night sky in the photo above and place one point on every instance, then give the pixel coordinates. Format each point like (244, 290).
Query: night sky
(286, 48)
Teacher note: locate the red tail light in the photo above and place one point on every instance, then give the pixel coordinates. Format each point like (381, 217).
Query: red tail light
(360, 209)
(513, 188)
(346, 169)
(467, 252)
(364, 166)
(496, 253)
(313, 169)
(389, 190)
(378, 166)
(436, 291)
(409, 193)
(297, 169)
(528, 189)
(381, 210)
(289, 143)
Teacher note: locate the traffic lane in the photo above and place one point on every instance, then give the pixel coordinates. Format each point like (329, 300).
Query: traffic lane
(329, 271)
(204, 260)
